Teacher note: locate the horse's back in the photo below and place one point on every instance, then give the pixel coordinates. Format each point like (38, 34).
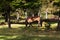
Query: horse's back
(32, 19)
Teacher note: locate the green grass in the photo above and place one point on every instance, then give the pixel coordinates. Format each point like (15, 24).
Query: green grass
(2, 20)
(24, 37)
(27, 34)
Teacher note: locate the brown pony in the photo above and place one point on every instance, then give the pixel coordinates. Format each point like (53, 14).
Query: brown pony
(29, 20)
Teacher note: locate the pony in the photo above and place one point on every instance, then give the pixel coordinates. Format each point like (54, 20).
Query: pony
(30, 20)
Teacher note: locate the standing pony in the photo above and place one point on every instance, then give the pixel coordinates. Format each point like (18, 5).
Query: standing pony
(29, 20)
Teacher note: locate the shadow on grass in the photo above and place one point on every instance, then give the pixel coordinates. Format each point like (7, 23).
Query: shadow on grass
(24, 33)
(25, 37)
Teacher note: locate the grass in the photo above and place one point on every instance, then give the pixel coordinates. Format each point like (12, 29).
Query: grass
(2, 20)
(23, 33)
(24, 37)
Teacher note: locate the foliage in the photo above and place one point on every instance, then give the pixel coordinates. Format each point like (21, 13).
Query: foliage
(24, 4)
(56, 4)
(4, 4)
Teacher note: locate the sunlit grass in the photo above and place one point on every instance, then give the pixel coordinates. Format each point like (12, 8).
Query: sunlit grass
(25, 37)
(1, 20)
(54, 25)
(26, 34)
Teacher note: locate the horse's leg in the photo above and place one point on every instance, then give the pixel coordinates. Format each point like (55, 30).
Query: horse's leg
(41, 23)
(38, 23)
(26, 23)
(30, 25)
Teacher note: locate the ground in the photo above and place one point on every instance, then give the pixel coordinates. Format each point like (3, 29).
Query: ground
(20, 32)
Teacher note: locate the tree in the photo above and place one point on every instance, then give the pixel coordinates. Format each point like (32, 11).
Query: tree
(58, 12)
(5, 7)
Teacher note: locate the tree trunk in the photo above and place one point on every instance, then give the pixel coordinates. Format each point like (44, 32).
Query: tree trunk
(17, 16)
(26, 14)
(7, 9)
(9, 24)
(46, 15)
(39, 13)
(58, 27)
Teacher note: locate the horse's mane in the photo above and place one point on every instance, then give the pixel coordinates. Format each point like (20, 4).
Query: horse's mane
(32, 17)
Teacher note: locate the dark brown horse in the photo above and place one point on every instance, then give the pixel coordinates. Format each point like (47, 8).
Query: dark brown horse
(29, 20)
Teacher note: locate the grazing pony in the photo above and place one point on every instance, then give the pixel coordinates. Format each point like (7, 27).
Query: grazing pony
(29, 20)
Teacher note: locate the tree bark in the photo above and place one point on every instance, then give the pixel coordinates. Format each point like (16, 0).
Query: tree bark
(58, 27)
(9, 24)
(8, 14)
(26, 14)
(17, 16)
